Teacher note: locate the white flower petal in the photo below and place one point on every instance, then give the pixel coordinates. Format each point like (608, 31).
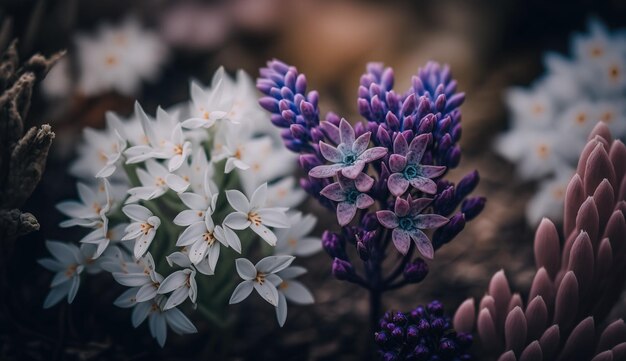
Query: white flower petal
(178, 322)
(237, 221)
(245, 269)
(127, 299)
(232, 239)
(268, 291)
(191, 234)
(174, 281)
(281, 309)
(194, 201)
(176, 183)
(136, 212)
(273, 264)
(242, 292)
(146, 293)
(140, 312)
(131, 279)
(176, 298)
(188, 216)
(158, 328)
(274, 217)
(259, 197)
(296, 292)
(265, 233)
(238, 201)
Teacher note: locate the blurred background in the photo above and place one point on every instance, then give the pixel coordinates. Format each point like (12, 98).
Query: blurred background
(490, 45)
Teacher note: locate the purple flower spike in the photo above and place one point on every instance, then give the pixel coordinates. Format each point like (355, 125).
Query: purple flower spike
(407, 223)
(350, 156)
(350, 193)
(406, 168)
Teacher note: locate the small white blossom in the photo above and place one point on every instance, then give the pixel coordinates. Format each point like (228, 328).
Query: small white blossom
(261, 277)
(91, 209)
(152, 182)
(292, 290)
(142, 230)
(285, 193)
(182, 284)
(68, 263)
(295, 240)
(142, 277)
(254, 214)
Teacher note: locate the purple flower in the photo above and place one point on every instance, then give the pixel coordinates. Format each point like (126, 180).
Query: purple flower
(350, 193)
(406, 168)
(407, 222)
(349, 157)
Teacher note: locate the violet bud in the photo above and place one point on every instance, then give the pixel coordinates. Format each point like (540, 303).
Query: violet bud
(455, 101)
(446, 233)
(316, 135)
(409, 104)
(301, 84)
(370, 222)
(333, 244)
(364, 108)
(270, 104)
(426, 124)
(309, 161)
(362, 250)
(453, 157)
(467, 184)
(279, 121)
(342, 270)
(415, 271)
(472, 207)
(440, 103)
(435, 308)
(412, 332)
(308, 112)
(397, 333)
(381, 337)
(298, 131)
(392, 121)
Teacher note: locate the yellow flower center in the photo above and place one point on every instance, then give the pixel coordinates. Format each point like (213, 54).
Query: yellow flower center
(260, 277)
(255, 218)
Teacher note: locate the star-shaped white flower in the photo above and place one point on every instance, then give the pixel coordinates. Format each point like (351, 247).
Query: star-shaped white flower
(152, 182)
(142, 230)
(93, 205)
(182, 284)
(292, 290)
(261, 277)
(68, 263)
(254, 214)
(142, 277)
(295, 240)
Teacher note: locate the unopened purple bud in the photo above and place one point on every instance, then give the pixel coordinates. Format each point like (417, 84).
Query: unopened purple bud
(298, 131)
(381, 337)
(284, 105)
(390, 356)
(362, 92)
(364, 109)
(465, 339)
(270, 104)
(438, 324)
(386, 79)
(308, 112)
(278, 66)
(383, 137)
(435, 308)
(421, 352)
(378, 110)
(426, 124)
(333, 118)
(423, 325)
(369, 222)
(467, 184)
(290, 79)
(397, 333)
(472, 207)
(455, 101)
(446, 233)
(409, 122)
(456, 133)
(418, 86)
(453, 157)
(333, 244)
(279, 121)
(447, 346)
(289, 116)
(391, 326)
(415, 271)
(412, 332)
(301, 84)
(363, 251)
(423, 105)
(342, 270)
(309, 161)
(409, 105)
(443, 126)
(444, 202)
(399, 318)
(440, 102)
(392, 121)
(418, 313)
(316, 135)
(313, 97)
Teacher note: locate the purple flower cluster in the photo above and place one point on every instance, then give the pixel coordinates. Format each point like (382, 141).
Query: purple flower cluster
(423, 334)
(383, 177)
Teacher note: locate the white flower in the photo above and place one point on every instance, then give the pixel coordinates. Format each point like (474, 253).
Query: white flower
(68, 263)
(158, 318)
(182, 284)
(152, 182)
(193, 175)
(91, 209)
(284, 193)
(118, 58)
(101, 235)
(200, 204)
(292, 290)
(294, 240)
(261, 277)
(530, 108)
(142, 230)
(181, 259)
(166, 140)
(254, 215)
(204, 238)
(142, 277)
(208, 106)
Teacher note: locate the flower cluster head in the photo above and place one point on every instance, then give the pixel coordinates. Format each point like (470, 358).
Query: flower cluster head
(424, 334)
(383, 177)
(578, 280)
(550, 119)
(116, 57)
(168, 203)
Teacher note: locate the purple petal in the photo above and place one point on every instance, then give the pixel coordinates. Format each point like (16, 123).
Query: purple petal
(401, 240)
(387, 218)
(361, 143)
(353, 171)
(400, 146)
(397, 163)
(397, 184)
(432, 171)
(363, 182)
(364, 201)
(424, 184)
(345, 213)
(430, 221)
(418, 205)
(402, 207)
(346, 133)
(331, 153)
(334, 192)
(418, 147)
(331, 131)
(325, 171)
(372, 154)
(423, 244)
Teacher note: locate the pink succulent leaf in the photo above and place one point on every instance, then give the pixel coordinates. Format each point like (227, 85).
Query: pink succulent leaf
(397, 163)
(334, 192)
(346, 132)
(401, 240)
(402, 207)
(397, 184)
(388, 219)
(331, 153)
(430, 221)
(423, 184)
(352, 171)
(432, 171)
(417, 148)
(363, 182)
(400, 146)
(364, 201)
(423, 243)
(373, 154)
(345, 212)
(360, 144)
(324, 171)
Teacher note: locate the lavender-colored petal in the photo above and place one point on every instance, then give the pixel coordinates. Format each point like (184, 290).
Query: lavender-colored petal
(430, 221)
(401, 240)
(363, 182)
(400, 146)
(423, 243)
(397, 163)
(346, 132)
(373, 154)
(331, 153)
(419, 204)
(353, 171)
(432, 171)
(361, 143)
(424, 184)
(402, 207)
(397, 184)
(364, 201)
(345, 213)
(331, 131)
(418, 147)
(325, 171)
(334, 192)
(515, 330)
(388, 219)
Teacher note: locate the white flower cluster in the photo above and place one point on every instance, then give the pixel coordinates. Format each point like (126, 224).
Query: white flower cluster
(115, 58)
(168, 195)
(551, 119)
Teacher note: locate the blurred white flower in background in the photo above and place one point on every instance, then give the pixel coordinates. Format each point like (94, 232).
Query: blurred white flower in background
(551, 119)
